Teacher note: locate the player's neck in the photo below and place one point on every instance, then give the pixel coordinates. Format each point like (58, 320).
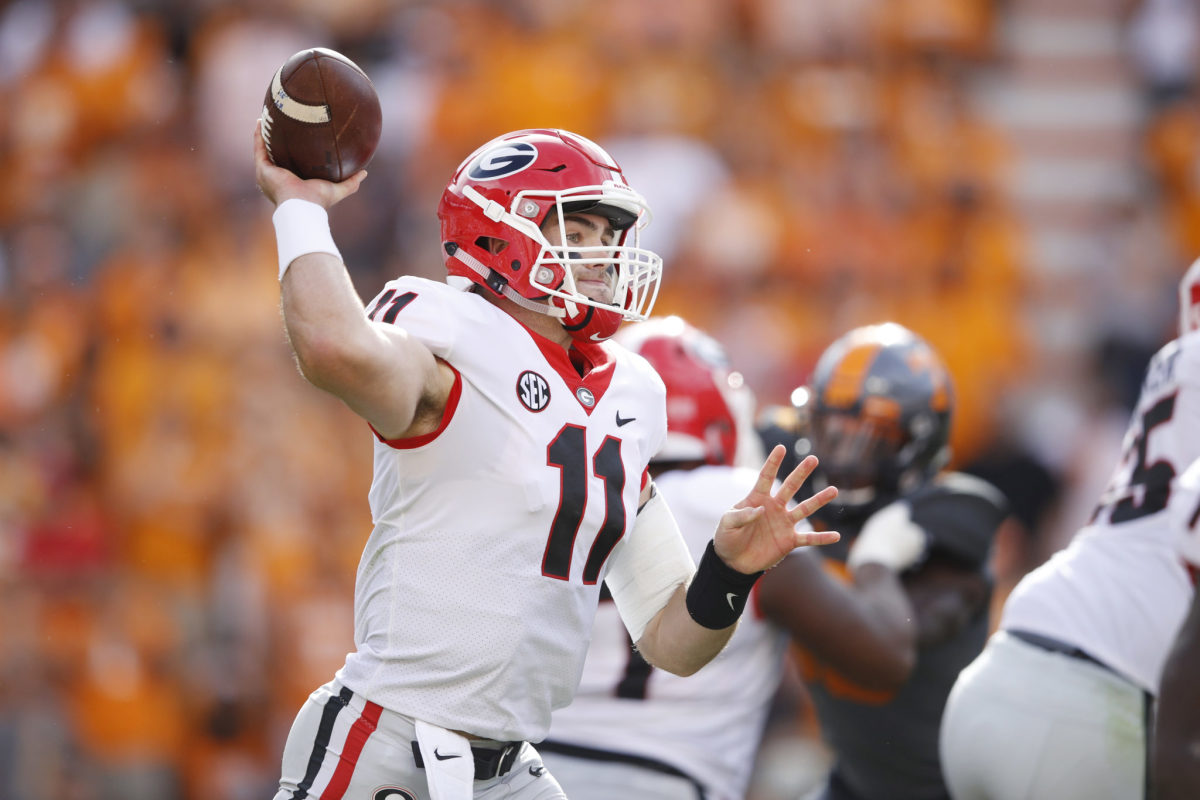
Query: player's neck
(541, 324)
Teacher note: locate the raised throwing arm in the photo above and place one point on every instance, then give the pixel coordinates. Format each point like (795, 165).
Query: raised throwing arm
(387, 377)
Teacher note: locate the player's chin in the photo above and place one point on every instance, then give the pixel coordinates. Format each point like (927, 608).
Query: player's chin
(596, 292)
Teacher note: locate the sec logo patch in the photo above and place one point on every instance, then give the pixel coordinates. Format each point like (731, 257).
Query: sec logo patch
(533, 391)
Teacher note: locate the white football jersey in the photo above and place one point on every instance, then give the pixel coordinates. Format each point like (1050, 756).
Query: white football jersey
(479, 583)
(1119, 590)
(709, 724)
(1185, 515)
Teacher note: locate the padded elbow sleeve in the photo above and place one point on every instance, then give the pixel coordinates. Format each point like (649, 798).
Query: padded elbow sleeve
(652, 564)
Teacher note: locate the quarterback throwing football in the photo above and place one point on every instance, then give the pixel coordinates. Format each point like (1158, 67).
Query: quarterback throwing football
(511, 446)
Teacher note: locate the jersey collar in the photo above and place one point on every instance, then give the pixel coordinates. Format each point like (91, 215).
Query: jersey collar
(598, 363)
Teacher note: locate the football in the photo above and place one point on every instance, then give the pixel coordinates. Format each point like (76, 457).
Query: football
(321, 117)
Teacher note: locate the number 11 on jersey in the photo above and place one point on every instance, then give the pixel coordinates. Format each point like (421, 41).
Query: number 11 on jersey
(568, 452)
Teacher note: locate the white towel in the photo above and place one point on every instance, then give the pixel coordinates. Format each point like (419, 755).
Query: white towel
(449, 762)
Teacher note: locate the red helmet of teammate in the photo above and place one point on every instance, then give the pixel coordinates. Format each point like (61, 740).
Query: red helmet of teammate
(493, 210)
(709, 408)
(1189, 300)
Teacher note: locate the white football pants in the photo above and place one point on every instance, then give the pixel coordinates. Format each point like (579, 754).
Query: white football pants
(1024, 723)
(342, 746)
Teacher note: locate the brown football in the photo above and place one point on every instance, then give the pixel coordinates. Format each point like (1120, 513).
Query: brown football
(321, 117)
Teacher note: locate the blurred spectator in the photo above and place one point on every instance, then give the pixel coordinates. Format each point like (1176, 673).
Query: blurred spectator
(1164, 42)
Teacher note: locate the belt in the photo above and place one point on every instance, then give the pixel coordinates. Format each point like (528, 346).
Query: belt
(1056, 646)
(490, 762)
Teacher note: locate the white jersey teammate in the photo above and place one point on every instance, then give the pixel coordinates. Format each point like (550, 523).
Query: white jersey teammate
(1058, 705)
(637, 731)
(1175, 764)
(645, 733)
(510, 476)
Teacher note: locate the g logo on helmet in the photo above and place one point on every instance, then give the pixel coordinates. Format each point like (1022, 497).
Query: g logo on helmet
(502, 161)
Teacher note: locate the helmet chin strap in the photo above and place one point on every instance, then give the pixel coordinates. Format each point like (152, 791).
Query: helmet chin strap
(485, 272)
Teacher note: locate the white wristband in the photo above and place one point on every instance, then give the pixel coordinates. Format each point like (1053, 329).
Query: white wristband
(301, 227)
(889, 537)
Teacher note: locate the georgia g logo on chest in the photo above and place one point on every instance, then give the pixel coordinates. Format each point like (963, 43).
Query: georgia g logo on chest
(533, 391)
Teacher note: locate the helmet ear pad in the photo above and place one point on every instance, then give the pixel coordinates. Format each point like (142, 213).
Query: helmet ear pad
(494, 244)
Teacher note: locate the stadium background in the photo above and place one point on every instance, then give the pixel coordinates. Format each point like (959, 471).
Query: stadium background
(181, 515)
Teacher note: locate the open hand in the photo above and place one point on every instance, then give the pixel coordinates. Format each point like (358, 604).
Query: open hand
(760, 530)
(279, 184)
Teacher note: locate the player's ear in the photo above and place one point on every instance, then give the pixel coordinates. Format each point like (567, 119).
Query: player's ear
(491, 244)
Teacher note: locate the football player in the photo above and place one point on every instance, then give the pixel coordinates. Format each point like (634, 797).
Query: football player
(511, 445)
(1058, 704)
(648, 734)
(877, 413)
(1176, 763)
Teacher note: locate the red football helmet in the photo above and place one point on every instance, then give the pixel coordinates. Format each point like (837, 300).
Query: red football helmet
(500, 196)
(1189, 299)
(709, 408)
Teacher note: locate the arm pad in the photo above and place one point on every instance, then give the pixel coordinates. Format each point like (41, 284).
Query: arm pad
(652, 564)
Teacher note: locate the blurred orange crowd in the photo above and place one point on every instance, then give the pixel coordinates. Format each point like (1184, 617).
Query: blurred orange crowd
(181, 514)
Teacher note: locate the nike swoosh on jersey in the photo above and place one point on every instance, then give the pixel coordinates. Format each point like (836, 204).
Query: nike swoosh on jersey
(624, 420)
(441, 757)
(729, 599)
